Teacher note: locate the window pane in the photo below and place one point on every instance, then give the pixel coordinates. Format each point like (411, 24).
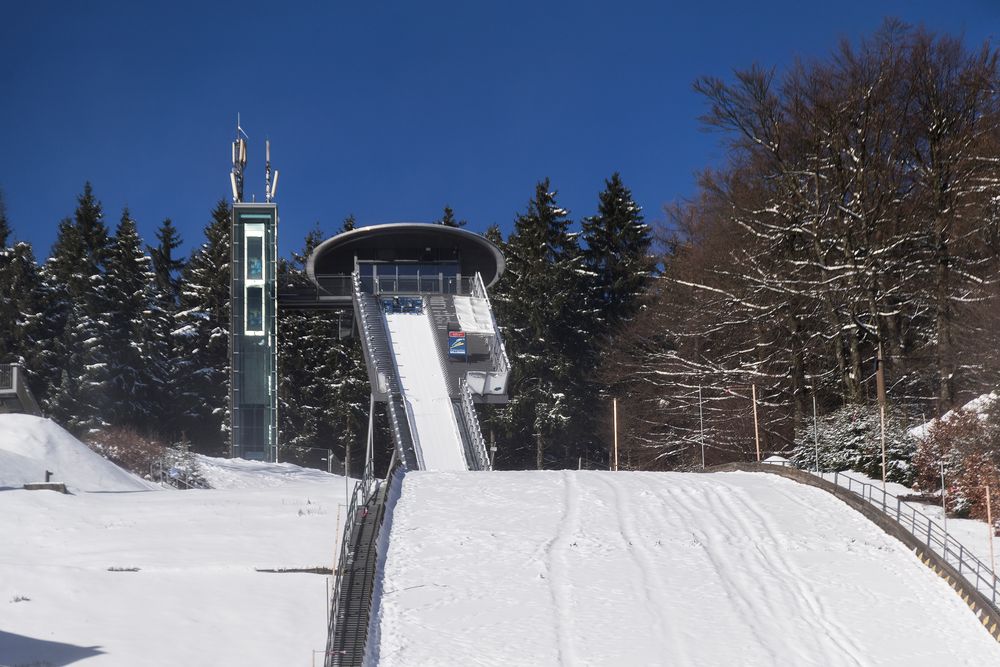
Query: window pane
(255, 310)
(255, 258)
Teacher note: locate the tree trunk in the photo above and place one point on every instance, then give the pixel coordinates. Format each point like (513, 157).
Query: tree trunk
(539, 451)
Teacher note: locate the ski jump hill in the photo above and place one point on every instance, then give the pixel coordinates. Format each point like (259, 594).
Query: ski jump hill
(445, 562)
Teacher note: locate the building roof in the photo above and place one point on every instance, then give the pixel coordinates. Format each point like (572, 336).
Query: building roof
(406, 241)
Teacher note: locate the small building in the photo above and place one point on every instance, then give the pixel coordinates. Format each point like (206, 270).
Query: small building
(15, 396)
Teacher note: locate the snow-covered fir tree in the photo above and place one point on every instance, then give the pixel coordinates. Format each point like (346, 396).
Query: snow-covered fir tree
(19, 307)
(851, 439)
(448, 219)
(539, 300)
(162, 351)
(135, 380)
(323, 386)
(201, 338)
(617, 256)
(76, 363)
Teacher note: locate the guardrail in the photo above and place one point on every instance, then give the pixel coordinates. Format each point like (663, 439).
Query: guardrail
(929, 532)
(472, 424)
(498, 352)
(7, 374)
(346, 558)
(400, 437)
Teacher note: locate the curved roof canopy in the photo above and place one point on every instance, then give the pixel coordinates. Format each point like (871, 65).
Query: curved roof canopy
(407, 242)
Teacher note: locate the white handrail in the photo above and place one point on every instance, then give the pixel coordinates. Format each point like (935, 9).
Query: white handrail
(472, 422)
(498, 352)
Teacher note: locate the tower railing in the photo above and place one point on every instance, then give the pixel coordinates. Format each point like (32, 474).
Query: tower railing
(472, 424)
(498, 352)
(7, 374)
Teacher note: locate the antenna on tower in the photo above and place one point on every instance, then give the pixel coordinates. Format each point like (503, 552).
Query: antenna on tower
(239, 161)
(270, 187)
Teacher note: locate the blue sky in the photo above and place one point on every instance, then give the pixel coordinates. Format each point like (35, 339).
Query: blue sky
(387, 110)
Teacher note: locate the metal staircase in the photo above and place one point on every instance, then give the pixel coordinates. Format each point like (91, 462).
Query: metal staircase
(352, 602)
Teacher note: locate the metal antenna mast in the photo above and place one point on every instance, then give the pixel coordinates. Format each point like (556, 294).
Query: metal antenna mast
(270, 188)
(239, 162)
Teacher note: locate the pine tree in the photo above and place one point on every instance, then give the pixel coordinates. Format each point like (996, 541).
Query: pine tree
(448, 219)
(616, 256)
(202, 339)
(75, 360)
(324, 384)
(538, 301)
(161, 352)
(4, 224)
(19, 307)
(129, 283)
(167, 267)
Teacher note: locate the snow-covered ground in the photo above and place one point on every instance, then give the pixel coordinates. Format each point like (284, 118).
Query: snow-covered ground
(160, 577)
(31, 445)
(974, 535)
(604, 568)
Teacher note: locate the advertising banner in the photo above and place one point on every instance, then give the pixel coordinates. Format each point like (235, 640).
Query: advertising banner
(456, 345)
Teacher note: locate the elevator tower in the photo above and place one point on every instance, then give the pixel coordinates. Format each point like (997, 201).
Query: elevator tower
(253, 352)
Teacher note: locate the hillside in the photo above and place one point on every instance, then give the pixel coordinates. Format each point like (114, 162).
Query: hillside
(656, 568)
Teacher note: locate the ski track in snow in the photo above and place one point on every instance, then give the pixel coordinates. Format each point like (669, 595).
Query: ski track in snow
(646, 583)
(746, 518)
(560, 583)
(594, 568)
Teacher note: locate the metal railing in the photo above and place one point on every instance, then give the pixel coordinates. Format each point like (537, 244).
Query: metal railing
(335, 284)
(498, 352)
(472, 424)
(359, 498)
(401, 438)
(432, 284)
(7, 375)
(927, 531)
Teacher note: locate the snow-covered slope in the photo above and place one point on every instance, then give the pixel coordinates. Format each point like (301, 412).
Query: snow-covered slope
(31, 445)
(243, 474)
(437, 439)
(166, 579)
(656, 569)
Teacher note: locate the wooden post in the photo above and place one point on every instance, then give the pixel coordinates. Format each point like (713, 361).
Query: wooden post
(701, 421)
(815, 431)
(756, 424)
(989, 520)
(944, 503)
(615, 408)
(880, 384)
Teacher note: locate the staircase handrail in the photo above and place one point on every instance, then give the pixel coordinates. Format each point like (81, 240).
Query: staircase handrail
(498, 352)
(928, 531)
(472, 425)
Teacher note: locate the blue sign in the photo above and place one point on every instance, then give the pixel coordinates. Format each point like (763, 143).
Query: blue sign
(456, 345)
